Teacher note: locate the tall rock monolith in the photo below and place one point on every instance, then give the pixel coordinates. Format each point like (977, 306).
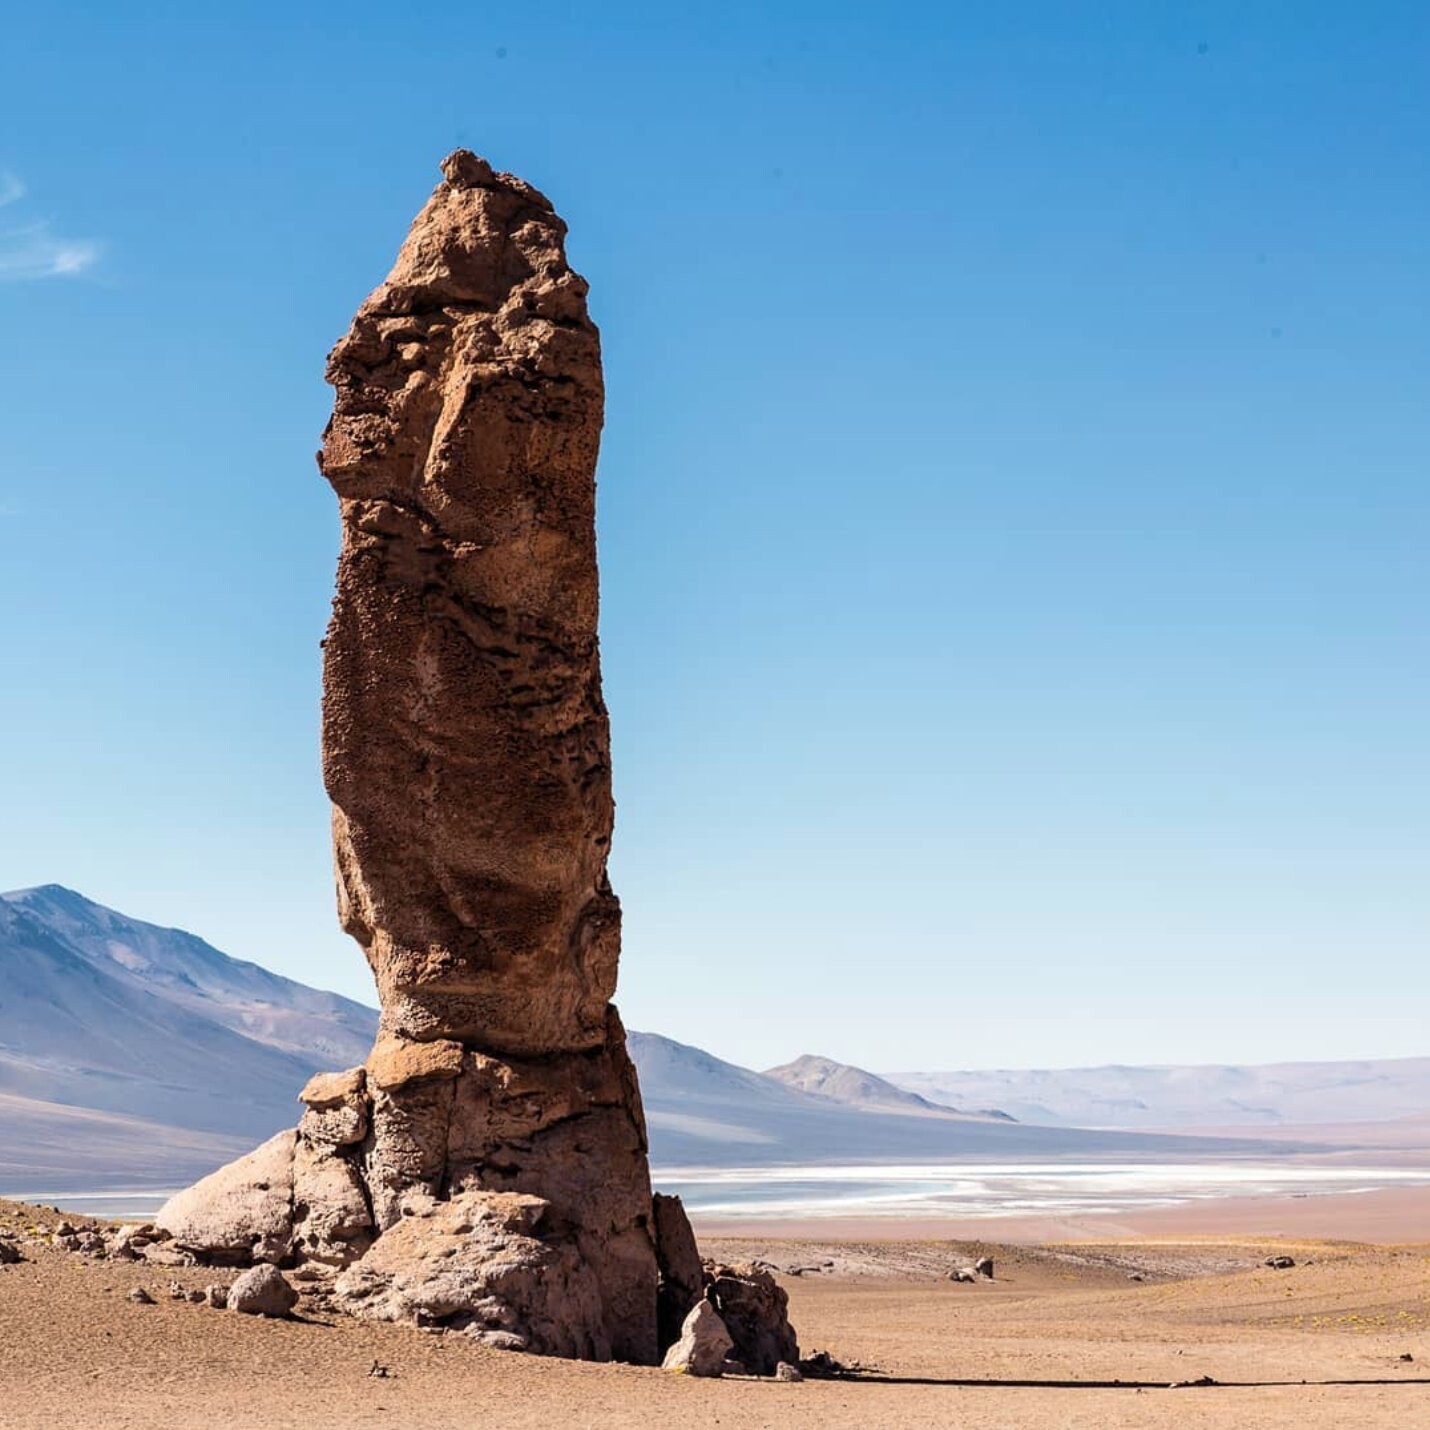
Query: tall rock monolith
(486, 1169)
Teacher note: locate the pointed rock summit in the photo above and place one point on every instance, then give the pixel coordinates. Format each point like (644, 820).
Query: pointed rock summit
(486, 1169)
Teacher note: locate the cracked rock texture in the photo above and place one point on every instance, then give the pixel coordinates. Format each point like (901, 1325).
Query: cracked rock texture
(465, 741)
(485, 1170)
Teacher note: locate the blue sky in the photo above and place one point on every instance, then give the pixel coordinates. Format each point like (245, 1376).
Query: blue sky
(1013, 503)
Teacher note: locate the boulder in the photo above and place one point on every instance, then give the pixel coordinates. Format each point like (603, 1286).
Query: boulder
(703, 1345)
(240, 1214)
(262, 1291)
(484, 1263)
(755, 1310)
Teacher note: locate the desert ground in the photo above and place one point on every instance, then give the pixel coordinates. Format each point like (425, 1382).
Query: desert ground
(1061, 1337)
(1386, 1215)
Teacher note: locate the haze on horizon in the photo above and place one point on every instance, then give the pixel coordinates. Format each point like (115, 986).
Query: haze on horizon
(1012, 502)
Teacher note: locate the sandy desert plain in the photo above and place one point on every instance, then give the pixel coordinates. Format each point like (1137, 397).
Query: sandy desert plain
(1063, 1336)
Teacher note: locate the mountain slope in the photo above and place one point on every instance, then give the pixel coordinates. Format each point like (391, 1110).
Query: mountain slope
(705, 1112)
(190, 973)
(1270, 1095)
(136, 1054)
(158, 1036)
(823, 1077)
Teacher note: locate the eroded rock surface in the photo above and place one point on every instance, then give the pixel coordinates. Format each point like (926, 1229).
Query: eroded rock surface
(465, 740)
(486, 1169)
(496, 1265)
(755, 1311)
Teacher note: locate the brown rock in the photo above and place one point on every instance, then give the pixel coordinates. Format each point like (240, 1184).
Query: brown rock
(466, 746)
(335, 1108)
(754, 1308)
(487, 1166)
(465, 740)
(325, 1090)
(395, 1062)
(682, 1277)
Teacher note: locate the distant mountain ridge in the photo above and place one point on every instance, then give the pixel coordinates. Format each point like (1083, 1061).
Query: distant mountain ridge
(1187, 1097)
(143, 1056)
(704, 1112)
(150, 1029)
(245, 997)
(856, 1087)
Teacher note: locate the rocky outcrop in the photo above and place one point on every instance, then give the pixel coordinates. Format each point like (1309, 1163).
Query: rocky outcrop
(486, 1169)
(754, 1309)
(465, 740)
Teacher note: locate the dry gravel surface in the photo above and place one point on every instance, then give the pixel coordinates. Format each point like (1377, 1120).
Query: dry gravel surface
(1060, 1338)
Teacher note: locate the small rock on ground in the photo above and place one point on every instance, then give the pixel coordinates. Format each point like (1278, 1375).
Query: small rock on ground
(262, 1291)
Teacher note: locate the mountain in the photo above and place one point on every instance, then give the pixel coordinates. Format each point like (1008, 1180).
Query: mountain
(1221, 1096)
(823, 1077)
(138, 1055)
(190, 973)
(703, 1112)
(113, 1028)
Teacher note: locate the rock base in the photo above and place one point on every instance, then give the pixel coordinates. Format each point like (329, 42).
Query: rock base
(504, 1197)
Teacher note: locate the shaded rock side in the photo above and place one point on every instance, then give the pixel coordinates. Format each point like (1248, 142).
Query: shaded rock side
(682, 1276)
(755, 1310)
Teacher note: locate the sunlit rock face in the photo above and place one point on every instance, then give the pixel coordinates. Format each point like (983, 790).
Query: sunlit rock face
(465, 741)
(486, 1169)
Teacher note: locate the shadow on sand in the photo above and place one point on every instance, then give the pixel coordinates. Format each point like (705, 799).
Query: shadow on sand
(995, 1383)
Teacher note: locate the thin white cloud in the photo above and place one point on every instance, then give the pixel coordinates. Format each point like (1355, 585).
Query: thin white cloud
(34, 250)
